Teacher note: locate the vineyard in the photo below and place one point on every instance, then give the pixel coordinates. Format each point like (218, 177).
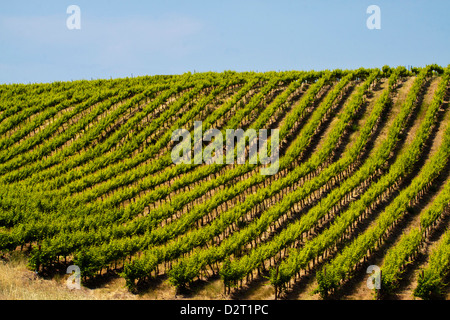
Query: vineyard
(87, 179)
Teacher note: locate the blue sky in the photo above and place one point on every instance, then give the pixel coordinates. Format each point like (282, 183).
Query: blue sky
(123, 38)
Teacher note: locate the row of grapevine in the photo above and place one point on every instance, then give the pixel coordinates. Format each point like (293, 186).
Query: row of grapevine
(87, 177)
(150, 218)
(341, 267)
(409, 245)
(65, 221)
(299, 259)
(431, 282)
(233, 214)
(241, 267)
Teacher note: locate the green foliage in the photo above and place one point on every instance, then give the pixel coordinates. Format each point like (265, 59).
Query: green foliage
(431, 281)
(387, 71)
(341, 266)
(86, 173)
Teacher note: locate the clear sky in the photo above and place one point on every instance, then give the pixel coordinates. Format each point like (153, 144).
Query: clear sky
(123, 38)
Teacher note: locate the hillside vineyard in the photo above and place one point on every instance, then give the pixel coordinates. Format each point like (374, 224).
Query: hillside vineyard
(87, 179)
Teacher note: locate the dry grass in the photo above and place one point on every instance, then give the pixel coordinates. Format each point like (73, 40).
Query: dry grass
(19, 283)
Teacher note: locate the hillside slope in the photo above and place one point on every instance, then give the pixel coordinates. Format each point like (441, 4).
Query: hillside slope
(87, 178)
